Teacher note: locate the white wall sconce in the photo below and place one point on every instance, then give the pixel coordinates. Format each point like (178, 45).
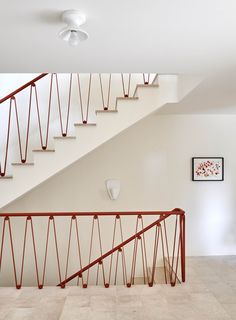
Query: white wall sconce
(113, 188)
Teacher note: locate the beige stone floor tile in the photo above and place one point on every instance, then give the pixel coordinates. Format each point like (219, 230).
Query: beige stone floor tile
(223, 292)
(79, 301)
(128, 314)
(129, 301)
(151, 301)
(49, 309)
(103, 303)
(4, 311)
(76, 313)
(20, 314)
(8, 292)
(141, 289)
(92, 291)
(208, 306)
(103, 315)
(208, 294)
(230, 310)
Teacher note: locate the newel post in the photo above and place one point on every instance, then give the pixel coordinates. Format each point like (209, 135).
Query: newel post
(182, 245)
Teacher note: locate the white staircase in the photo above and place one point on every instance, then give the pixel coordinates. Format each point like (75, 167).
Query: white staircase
(86, 137)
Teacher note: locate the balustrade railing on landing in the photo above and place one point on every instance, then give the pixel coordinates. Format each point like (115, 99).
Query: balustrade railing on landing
(82, 248)
(51, 104)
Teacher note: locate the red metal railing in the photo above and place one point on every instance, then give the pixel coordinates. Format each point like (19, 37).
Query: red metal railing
(46, 105)
(127, 245)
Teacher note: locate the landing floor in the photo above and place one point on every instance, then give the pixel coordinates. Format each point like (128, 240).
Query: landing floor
(209, 293)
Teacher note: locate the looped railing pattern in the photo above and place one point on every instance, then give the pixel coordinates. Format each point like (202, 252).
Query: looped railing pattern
(51, 104)
(105, 248)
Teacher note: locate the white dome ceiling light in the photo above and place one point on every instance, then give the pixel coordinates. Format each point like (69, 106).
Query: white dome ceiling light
(72, 33)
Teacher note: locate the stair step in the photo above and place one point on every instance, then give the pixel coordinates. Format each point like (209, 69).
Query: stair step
(41, 150)
(22, 164)
(6, 177)
(127, 98)
(84, 124)
(152, 85)
(159, 275)
(64, 138)
(107, 111)
(139, 280)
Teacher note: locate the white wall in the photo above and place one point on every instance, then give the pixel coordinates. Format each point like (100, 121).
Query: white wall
(153, 161)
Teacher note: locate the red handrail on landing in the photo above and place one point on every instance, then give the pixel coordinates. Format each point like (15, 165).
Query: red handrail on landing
(168, 254)
(94, 213)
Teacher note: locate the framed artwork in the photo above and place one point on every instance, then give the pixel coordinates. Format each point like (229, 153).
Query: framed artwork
(208, 169)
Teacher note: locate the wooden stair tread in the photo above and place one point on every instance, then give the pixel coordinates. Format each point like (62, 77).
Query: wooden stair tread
(41, 150)
(64, 138)
(85, 124)
(107, 111)
(6, 177)
(152, 85)
(127, 98)
(22, 164)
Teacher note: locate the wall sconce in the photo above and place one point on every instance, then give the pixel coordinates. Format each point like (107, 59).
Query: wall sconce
(113, 188)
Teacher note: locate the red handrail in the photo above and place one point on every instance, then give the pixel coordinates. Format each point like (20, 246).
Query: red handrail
(31, 82)
(105, 213)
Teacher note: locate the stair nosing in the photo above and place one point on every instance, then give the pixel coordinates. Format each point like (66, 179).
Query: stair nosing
(41, 150)
(107, 111)
(127, 98)
(6, 177)
(85, 124)
(22, 164)
(64, 138)
(152, 85)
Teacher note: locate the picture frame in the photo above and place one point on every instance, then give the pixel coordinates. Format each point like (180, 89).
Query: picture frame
(207, 169)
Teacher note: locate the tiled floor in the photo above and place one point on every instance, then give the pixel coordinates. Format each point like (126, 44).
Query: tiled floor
(209, 293)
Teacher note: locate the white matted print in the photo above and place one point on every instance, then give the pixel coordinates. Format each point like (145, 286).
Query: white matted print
(208, 169)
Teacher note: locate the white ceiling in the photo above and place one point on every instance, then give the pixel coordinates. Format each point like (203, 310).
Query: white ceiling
(165, 36)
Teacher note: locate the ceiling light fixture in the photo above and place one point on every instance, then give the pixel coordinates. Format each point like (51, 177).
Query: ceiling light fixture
(72, 33)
